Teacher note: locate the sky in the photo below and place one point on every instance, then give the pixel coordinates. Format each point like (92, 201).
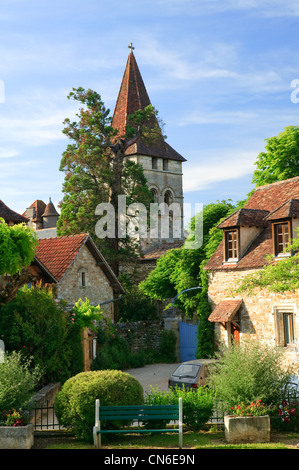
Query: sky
(223, 75)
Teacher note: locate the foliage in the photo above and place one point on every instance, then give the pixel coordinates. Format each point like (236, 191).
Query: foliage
(75, 403)
(85, 315)
(96, 171)
(252, 409)
(247, 372)
(114, 351)
(17, 247)
(197, 404)
(280, 161)
(167, 351)
(135, 305)
(18, 378)
(38, 326)
(277, 276)
(181, 269)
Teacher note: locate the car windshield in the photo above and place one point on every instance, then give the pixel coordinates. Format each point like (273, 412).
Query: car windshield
(187, 370)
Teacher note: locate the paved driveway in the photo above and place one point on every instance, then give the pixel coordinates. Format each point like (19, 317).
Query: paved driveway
(155, 375)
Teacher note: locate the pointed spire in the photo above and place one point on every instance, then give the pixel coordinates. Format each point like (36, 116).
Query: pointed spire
(132, 94)
(131, 97)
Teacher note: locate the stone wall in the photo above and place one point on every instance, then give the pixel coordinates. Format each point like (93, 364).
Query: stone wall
(257, 313)
(97, 287)
(141, 334)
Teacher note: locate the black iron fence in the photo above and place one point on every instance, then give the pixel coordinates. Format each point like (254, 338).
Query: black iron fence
(44, 417)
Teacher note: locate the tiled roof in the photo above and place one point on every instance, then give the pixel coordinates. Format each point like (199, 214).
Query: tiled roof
(158, 250)
(286, 210)
(271, 196)
(280, 200)
(57, 255)
(11, 216)
(250, 217)
(225, 311)
(39, 207)
(50, 209)
(132, 97)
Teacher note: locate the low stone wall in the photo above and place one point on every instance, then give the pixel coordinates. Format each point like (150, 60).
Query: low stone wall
(141, 334)
(16, 437)
(47, 393)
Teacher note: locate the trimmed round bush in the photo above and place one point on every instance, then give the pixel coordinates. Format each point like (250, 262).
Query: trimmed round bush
(75, 403)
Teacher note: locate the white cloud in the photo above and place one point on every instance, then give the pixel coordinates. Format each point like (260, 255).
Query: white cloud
(230, 167)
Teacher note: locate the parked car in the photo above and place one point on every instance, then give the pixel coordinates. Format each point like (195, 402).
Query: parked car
(190, 374)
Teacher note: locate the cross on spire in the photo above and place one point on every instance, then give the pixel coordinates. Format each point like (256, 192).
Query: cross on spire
(131, 47)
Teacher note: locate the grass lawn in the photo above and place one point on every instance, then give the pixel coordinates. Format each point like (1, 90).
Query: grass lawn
(191, 440)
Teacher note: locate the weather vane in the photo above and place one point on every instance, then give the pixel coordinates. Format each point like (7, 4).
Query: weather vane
(131, 47)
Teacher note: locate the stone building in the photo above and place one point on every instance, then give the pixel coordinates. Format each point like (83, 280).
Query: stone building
(265, 226)
(162, 165)
(79, 270)
(42, 218)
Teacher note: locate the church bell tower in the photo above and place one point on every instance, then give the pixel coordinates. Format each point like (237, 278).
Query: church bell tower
(162, 165)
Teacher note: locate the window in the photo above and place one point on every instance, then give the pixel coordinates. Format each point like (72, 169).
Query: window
(168, 197)
(154, 163)
(284, 326)
(231, 244)
(82, 277)
(165, 164)
(155, 194)
(281, 237)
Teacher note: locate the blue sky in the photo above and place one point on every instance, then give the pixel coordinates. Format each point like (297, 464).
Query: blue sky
(218, 71)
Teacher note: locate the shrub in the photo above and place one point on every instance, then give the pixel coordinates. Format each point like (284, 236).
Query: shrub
(35, 324)
(18, 380)
(197, 404)
(248, 372)
(75, 403)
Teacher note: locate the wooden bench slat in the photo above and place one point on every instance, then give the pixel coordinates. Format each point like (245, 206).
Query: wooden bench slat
(135, 431)
(139, 413)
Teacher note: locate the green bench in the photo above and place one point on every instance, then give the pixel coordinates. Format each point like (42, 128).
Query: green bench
(139, 413)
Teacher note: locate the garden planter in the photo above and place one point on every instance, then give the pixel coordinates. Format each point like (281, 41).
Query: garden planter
(240, 429)
(16, 437)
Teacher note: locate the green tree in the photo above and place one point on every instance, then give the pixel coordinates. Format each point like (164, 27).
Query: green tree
(17, 250)
(279, 277)
(37, 326)
(181, 268)
(280, 161)
(96, 171)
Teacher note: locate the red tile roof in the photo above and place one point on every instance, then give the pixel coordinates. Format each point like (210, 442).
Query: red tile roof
(132, 97)
(39, 207)
(279, 200)
(57, 254)
(158, 250)
(225, 310)
(250, 217)
(11, 216)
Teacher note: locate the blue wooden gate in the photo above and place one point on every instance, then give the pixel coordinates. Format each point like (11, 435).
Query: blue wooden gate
(188, 341)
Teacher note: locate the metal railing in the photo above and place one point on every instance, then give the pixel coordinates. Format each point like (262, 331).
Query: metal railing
(44, 417)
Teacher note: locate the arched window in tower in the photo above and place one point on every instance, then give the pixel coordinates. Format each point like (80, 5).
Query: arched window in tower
(155, 194)
(168, 198)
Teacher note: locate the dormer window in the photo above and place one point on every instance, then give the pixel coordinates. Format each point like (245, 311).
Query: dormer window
(281, 235)
(231, 245)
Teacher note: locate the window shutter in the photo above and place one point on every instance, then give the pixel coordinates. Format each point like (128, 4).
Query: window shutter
(279, 330)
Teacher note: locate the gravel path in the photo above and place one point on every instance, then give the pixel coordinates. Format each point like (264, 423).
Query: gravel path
(155, 375)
